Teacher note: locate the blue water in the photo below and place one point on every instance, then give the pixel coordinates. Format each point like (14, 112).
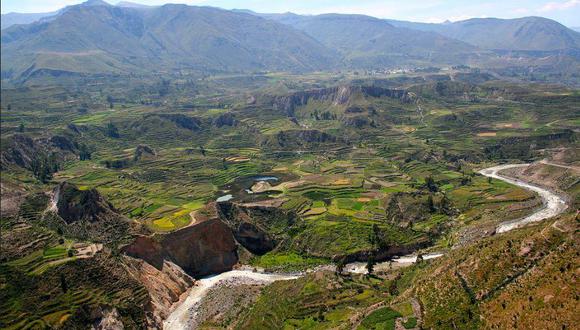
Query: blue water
(224, 198)
(265, 178)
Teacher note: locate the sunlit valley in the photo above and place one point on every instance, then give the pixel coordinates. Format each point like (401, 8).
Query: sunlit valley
(186, 167)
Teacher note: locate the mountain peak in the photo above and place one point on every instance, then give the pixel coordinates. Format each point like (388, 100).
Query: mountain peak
(129, 4)
(95, 3)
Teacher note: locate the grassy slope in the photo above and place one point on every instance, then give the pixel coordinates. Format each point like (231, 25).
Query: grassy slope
(524, 279)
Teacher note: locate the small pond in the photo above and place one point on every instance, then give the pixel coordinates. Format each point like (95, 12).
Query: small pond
(240, 189)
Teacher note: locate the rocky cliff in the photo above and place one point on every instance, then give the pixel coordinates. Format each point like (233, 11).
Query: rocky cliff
(258, 228)
(164, 285)
(22, 150)
(340, 95)
(300, 139)
(86, 214)
(205, 248)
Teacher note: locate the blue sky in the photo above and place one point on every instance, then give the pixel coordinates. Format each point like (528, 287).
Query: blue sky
(564, 11)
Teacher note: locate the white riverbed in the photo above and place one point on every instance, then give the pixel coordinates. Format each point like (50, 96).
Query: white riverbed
(552, 203)
(185, 315)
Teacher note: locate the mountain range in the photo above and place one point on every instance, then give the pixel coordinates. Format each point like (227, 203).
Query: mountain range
(95, 37)
(110, 39)
(368, 41)
(526, 34)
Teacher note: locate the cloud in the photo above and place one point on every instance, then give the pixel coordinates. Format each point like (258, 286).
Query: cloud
(552, 6)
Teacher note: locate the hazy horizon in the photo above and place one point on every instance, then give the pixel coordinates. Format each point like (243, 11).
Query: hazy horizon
(566, 12)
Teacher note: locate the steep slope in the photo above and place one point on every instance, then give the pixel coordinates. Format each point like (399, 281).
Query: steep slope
(524, 279)
(366, 40)
(27, 18)
(100, 38)
(22, 18)
(526, 33)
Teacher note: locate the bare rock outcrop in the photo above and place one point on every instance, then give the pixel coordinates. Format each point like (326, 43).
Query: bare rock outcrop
(22, 150)
(257, 228)
(300, 139)
(142, 151)
(335, 95)
(87, 215)
(226, 119)
(208, 247)
(165, 286)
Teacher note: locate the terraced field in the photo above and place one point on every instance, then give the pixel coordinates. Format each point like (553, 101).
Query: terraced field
(358, 176)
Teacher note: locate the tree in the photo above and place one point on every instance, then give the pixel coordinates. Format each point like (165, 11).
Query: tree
(419, 258)
(202, 150)
(340, 263)
(110, 101)
(378, 238)
(430, 203)
(430, 184)
(84, 152)
(489, 179)
(112, 130)
(371, 264)
(320, 316)
(465, 180)
(163, 87)
(373, 237)
(53, 163)
(21, 128)
(446, 206)
(63, 284)
(41, 169)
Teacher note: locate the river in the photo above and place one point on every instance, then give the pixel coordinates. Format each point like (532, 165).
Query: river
(552, 203)
(185, 314)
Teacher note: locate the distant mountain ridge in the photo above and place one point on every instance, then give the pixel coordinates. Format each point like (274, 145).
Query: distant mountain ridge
(526, 33)
(98, 38)
(11, 19)
(366, 40)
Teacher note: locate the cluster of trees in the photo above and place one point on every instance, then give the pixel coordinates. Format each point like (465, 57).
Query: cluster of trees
(377, 240)
(116, 163)
(111, 101)
(44, 167)
(444, 205)
(326, 115)
(430, 184)
(112, 131)
(84, 152)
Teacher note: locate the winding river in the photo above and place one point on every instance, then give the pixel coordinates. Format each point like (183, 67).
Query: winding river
(552, 203)
(184, 316)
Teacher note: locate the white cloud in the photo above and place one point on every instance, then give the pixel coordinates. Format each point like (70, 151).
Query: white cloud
(551, 6)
